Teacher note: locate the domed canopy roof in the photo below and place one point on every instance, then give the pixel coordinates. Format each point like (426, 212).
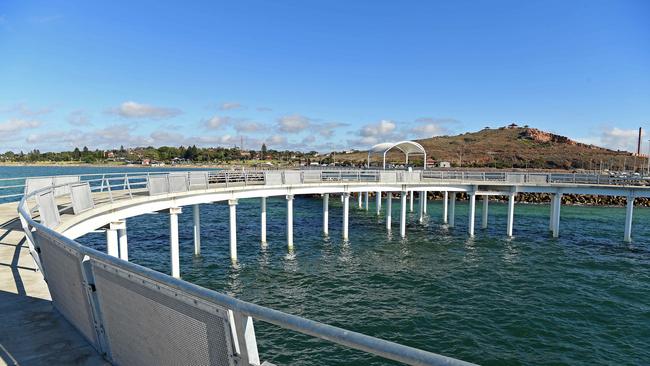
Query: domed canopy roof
(407, 147)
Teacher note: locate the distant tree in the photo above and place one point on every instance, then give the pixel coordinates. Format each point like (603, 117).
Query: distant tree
(76, 154)
(263, 151)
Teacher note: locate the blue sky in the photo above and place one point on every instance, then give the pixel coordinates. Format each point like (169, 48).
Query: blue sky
(318, 74)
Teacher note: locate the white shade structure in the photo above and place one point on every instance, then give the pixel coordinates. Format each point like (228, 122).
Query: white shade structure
(407, 147)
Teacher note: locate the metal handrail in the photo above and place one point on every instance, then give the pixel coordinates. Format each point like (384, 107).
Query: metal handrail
(379, 347)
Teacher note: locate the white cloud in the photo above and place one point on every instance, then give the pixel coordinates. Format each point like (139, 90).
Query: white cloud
(615, 138)
(22, 109)
(249, 126)
(429, 127)
(217, 122)
(328, 129)
(293, 123)
(79, 118)
(379, 129)
(230, 106)
(15, 125)
(137, 110)
(276, 140)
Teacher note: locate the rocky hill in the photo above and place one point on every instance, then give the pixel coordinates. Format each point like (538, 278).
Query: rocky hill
(518, 147)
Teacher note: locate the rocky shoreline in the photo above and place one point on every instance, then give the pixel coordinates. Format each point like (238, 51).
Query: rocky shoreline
(545, 198)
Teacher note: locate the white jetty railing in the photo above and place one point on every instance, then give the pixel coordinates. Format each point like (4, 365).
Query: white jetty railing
(137, 316)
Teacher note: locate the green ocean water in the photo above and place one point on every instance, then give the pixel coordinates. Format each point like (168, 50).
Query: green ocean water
(580, 299)
(583, 298)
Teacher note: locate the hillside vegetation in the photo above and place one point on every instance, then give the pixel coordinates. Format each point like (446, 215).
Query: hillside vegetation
(517, 147)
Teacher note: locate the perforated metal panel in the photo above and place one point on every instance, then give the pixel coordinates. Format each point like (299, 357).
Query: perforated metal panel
(198, 180)
(388, 177)
(62, 270)
(311, 176)
(34, 184)
(292, 177)
(47, 209)
(82, 199)
(177, 182)
(273, 178)
(60, 191)
(148, 323)
(158, 185)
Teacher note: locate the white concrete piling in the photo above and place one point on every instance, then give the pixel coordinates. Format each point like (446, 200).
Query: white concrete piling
(411, 193)
(346, 213)
(422, 204)
(112, 241)
(557, 205)
(174, 250)
(378, 202)
(389, 209)
(471, 213)
(402, 218)
(629, 210)
(452, 209)
(511, 214)
(290, 221)
(232, 205)
(484, 212)
(445, 207)
(359, 196)
(366, 194)
(196, 217)
(263, 221)
(123, 240)
(426, 203)
(326, 213)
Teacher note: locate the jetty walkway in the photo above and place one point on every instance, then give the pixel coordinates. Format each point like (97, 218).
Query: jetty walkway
(105, 305)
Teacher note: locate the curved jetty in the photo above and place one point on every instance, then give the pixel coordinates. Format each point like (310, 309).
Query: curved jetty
(111, 310)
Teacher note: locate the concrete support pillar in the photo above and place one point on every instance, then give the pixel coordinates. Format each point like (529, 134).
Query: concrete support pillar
(421, 207)
(263, 221)
(346, 213)
(426, 202)
(452, 209)
(326, 213)
(366, 194)
(196, 215)
(484, 216)
(123, 240)
(511, 214)
(290, 221)
(551, 215)
(360, 199)
(411, 193)
(174, 250)
(378, 202)
(471, 213)
(629, 209)
(112, 241)
(389, 209)
(445, 207)
(232, 206)
(402, 217)
(557, 205)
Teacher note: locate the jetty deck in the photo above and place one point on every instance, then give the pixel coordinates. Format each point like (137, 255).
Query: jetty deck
(32, 332)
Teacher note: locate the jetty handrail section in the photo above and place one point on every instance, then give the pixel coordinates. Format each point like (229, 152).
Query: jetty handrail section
(134, 315)
(15, 188)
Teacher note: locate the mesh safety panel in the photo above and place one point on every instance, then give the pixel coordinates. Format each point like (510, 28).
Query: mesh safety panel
(198, 180)
(62, 269)
(57, 181)
(177, 182)
(47, 209)
(291, 177)
(311, 176)
(148, 323)
(158, 185)
(273, 178)
(82, 199)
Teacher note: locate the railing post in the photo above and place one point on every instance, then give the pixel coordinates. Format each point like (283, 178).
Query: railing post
(246, 342)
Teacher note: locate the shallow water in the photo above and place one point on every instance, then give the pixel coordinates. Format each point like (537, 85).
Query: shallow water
(583, 298)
